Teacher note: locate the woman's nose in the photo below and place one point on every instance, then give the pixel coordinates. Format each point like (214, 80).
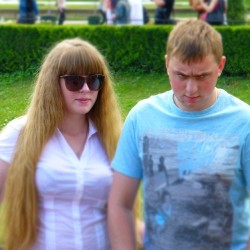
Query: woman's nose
(85, 87)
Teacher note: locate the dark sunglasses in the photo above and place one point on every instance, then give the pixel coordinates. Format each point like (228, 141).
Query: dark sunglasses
(76, 82)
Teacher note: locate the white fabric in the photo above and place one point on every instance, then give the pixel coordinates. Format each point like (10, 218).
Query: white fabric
(109, 16)
(73, 192)
(136, 13)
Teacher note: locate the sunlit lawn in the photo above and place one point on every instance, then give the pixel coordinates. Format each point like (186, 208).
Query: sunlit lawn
(15, 91)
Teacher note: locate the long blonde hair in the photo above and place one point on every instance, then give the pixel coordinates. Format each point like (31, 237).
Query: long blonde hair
(71, 56)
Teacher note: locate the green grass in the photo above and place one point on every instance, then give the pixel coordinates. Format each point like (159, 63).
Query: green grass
(132, 88)
(15, 91)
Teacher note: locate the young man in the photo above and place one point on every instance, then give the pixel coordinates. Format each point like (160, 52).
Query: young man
(191, 147)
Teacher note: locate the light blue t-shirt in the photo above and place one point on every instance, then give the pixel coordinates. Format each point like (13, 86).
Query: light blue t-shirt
(195, 168)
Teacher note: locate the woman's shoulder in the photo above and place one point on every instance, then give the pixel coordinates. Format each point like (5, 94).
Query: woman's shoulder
(15, 124)
(18, 122)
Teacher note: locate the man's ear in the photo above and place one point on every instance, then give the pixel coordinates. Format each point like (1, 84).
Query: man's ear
(222, 64)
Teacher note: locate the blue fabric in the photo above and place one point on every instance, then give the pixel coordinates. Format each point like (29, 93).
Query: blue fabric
(163, 13)
(200, 161)
(122, 12)
(216, 17)
(28, 10)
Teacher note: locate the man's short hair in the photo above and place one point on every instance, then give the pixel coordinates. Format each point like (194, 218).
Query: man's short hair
(193, 40)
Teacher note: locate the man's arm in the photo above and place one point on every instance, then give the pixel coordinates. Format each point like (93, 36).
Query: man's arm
(120, 212)
(3, 175)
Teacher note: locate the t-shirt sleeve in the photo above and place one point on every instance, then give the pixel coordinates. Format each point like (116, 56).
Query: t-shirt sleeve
(246, 161)
(8, 139)
(127, 160)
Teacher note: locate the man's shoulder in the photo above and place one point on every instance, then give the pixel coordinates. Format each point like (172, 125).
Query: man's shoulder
(151, 102)
(234, 101)
(155, 99)
(235, 107)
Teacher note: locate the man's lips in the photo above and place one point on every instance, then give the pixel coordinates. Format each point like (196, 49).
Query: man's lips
(192, 98)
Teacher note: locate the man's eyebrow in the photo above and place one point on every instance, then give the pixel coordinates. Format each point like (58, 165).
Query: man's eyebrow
(180, 72)
(198, 74)
(203, 73)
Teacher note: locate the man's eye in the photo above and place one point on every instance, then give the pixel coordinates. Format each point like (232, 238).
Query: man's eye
(181, 76)
(201, 77)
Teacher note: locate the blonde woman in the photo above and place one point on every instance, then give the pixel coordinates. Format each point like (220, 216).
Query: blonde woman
(56, 158)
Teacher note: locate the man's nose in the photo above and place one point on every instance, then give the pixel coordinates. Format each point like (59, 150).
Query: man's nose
(191, 86)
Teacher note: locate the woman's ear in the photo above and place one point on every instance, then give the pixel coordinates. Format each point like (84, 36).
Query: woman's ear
(166, 62)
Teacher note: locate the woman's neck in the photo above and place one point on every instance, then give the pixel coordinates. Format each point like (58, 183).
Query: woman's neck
(75, 131)
(74, 125)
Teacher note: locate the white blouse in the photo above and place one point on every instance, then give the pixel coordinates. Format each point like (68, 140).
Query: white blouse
(73, 192)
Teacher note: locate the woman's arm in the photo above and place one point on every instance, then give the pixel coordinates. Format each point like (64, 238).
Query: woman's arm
(210, 7)
(197, 5)
(120, 212)
(3, 174)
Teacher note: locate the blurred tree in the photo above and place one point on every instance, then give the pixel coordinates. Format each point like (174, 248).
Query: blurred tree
(236, 12)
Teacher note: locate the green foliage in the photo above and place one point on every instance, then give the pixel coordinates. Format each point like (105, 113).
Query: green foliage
(236, 49)
(126, 48)
(24, 46)
(247, 3)
(236, 12)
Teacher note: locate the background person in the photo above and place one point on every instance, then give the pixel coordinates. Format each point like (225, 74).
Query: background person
(110, 6)
(215, 11)
(121, 13)
(61, 7)
(207, 156)
(197, 5)
(103, 7)
(28, 11)
(163, 11)
(56, 158)
(136, 12)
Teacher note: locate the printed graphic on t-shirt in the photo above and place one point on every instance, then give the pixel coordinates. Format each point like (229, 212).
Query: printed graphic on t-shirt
(187, 180)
